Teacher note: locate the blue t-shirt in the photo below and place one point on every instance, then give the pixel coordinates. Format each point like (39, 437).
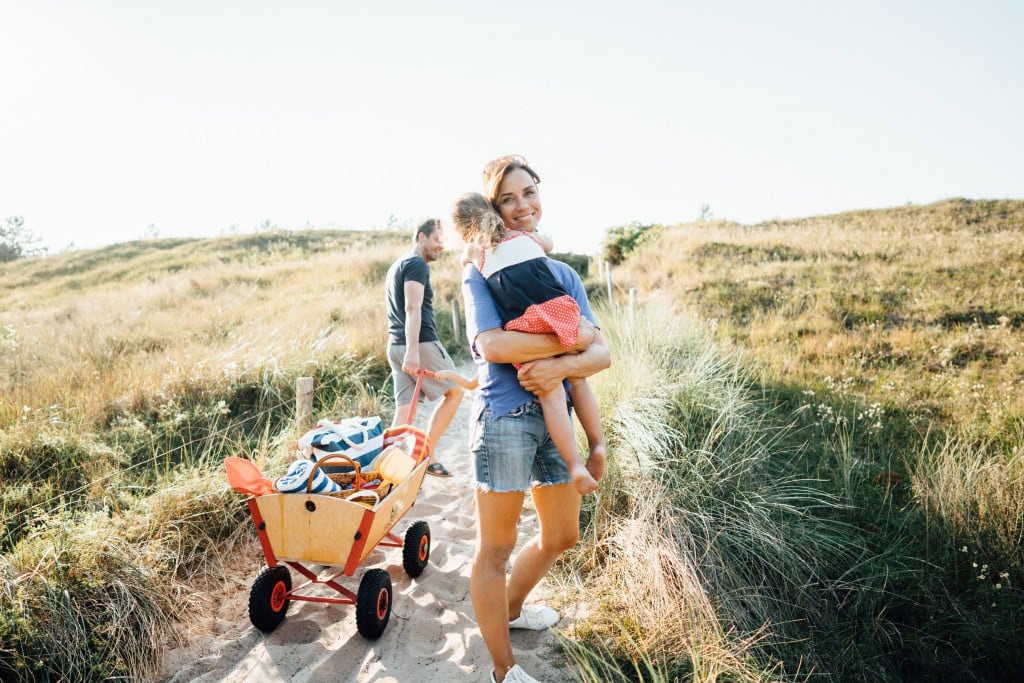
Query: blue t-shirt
(409, 267)
(499, 383)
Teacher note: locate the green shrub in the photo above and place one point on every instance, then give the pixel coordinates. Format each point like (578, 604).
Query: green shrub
(621, 240)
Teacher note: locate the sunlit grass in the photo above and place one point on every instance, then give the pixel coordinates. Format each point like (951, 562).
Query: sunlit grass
(127, 374)
(701, 554)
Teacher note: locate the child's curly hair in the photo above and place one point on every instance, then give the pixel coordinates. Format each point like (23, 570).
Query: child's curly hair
(475, 220)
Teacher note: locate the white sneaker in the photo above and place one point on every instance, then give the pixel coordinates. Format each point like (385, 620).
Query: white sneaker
(515, 675)
(535, 618)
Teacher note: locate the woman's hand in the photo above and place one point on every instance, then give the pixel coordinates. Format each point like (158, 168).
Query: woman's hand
(540, 376)
(585, 336)
(471, 253)
(543, 375)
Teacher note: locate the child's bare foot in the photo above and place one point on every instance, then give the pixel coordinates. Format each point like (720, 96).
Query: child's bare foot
(581, 478)
(595, 463)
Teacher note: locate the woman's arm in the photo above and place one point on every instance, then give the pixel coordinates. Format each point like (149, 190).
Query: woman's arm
(506, 346)
(542, 376)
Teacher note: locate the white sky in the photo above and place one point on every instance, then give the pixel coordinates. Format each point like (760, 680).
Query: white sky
(194, 116)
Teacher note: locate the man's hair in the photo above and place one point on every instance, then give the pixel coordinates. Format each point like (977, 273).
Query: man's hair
(427, 228)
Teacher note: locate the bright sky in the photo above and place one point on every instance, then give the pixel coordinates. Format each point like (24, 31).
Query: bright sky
(196, 116)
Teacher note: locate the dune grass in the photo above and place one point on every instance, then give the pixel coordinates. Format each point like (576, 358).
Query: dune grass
(816, 429)
(886, 346)
(127, 375)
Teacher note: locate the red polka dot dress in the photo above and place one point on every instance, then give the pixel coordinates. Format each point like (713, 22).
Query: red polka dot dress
(528, 297)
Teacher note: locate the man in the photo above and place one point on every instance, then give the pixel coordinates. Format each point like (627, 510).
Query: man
(413, 341)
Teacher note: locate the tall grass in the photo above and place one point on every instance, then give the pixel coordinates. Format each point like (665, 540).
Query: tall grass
(890, 344)
(127, 374)
(702, 551)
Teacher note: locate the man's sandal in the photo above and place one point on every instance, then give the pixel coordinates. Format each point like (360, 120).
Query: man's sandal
(438, 470)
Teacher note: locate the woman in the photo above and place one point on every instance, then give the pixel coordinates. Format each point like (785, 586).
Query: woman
(512, 450)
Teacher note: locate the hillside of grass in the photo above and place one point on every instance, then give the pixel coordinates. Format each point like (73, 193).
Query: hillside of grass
(127, 374)
(887, 348)
(816, 429)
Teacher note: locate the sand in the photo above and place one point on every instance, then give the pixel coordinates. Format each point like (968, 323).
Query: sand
(432, 636)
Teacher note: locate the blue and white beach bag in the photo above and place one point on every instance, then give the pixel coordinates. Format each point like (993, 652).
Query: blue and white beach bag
(359, 438)
(294, 480)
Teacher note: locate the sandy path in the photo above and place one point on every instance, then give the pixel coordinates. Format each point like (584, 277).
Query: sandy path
(431, 637)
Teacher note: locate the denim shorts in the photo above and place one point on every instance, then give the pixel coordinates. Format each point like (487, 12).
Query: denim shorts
(514, 452)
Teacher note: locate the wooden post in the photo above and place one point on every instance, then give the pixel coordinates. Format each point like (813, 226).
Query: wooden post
(600, 268)
(456, 323)
(608, 276)
(304, 402)
(632, 304)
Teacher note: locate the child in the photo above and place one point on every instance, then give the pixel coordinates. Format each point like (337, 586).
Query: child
(530, 299)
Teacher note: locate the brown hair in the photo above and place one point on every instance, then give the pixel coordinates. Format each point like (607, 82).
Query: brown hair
(495, 171)
(475, 220)
(427, 227)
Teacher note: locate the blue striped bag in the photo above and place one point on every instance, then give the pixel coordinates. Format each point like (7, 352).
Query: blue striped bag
(358, 438)
(294, 480)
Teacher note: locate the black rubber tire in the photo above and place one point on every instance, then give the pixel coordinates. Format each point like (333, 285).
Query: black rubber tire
(267, 601)
(416, 549)
(373, 603)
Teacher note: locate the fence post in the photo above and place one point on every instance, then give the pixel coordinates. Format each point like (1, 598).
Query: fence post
(608, 276)
(456, 323)
(632, 304)
(304, 402)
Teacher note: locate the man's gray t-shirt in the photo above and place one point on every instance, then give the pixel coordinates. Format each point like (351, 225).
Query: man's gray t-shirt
(409, 267)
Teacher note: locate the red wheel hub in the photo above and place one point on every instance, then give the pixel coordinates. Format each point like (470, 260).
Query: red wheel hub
(278, 596)
(424, 547)
(382, 604)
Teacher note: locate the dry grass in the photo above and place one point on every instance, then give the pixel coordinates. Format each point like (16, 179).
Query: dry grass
(127, 374)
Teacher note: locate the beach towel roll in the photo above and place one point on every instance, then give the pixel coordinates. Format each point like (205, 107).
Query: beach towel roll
(358, 438)
(294, 480)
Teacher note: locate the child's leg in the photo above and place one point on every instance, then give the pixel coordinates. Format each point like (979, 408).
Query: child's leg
(559, 424)
(585, 403)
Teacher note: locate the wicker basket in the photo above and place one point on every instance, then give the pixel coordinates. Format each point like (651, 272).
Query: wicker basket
(357, 479)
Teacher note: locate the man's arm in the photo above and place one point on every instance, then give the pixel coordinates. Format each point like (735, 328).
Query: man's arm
(542, 376)
(413, 319)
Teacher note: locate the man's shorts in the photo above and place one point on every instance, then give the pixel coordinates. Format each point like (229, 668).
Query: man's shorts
(433, 357)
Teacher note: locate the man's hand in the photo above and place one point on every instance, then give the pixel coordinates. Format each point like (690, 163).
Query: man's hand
(411, 362)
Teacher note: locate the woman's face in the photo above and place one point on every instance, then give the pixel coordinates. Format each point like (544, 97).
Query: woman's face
(519, 201)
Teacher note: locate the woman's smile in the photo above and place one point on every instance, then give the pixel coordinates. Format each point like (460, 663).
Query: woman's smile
(519, 201)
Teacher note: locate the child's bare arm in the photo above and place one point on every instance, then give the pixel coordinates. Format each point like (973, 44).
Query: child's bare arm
(546, 242)
(464, 382)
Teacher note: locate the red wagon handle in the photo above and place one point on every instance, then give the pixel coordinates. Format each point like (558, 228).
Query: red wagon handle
(420, 374)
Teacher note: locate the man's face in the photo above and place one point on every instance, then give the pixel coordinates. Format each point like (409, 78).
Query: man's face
(431, 247)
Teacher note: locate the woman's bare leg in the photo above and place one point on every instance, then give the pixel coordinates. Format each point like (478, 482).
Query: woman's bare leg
(497, 528)
(558, 511)
(559, 424)
(585, 403)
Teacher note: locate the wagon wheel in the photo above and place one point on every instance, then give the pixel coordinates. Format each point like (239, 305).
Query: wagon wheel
(268, 599)
(416, 549)
(373, 603)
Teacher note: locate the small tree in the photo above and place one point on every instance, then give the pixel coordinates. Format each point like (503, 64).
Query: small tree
(621, 240)
(16, 240)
